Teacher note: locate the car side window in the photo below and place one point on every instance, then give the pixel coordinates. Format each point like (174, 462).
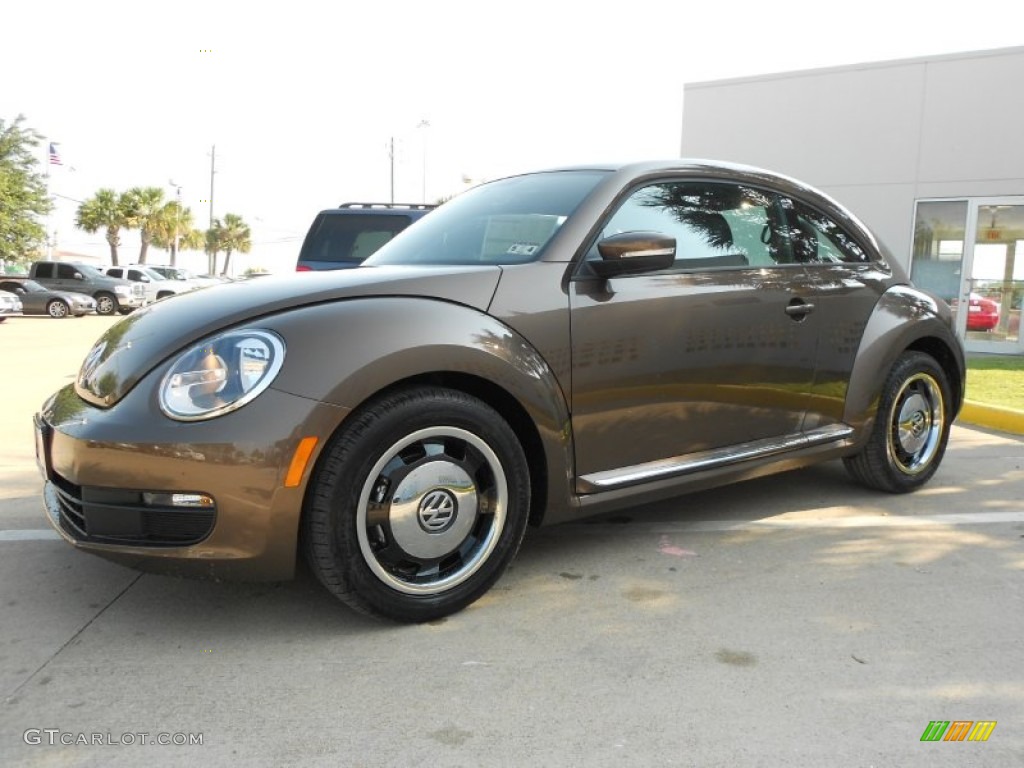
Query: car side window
(816, 239)
(114, 272)
(44, 271)
(66, 271)
(714, 224)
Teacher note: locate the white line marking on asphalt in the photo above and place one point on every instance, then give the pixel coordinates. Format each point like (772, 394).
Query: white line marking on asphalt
(855, 521)
(43, 534)
(721, 526)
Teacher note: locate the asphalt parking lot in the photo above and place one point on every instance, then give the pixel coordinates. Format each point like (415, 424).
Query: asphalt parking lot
(795, 620)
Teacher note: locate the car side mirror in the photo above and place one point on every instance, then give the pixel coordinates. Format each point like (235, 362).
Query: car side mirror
(78, 276)
(144, 278)
(631, 253)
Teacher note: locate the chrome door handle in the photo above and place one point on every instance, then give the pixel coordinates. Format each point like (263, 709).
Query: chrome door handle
(798, 308)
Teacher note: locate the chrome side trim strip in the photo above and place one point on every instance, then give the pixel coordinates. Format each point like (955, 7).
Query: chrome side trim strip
(716, 457)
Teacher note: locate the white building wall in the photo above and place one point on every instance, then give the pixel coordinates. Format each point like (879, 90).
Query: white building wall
(877, 136)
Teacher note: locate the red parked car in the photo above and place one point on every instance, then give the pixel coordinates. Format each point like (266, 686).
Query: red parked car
(982, 313)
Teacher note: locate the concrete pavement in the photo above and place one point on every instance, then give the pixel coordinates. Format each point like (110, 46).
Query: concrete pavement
(796, 620)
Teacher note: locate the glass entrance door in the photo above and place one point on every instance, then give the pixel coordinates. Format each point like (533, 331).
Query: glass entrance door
(971, 253)
(993, 276)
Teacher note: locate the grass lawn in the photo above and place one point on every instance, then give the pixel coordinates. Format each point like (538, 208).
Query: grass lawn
(996, 380)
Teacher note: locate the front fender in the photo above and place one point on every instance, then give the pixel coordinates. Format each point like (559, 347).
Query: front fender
(903, 318)
(343, 353)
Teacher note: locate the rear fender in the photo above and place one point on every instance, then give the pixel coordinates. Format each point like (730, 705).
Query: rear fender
(903, 318)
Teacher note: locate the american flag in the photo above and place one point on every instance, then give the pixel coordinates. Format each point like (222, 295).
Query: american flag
(54, 154)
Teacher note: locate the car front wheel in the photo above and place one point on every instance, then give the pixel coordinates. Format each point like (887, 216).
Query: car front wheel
(911, 428)
(418, 506)
(106, 304)
(57, 308)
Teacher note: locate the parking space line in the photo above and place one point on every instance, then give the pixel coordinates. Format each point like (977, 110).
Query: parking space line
(855, 521)
(42, 534)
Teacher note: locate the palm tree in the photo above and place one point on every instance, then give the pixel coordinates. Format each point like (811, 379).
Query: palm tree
(172, 220)
(235, 235)
(144, 211)
(213, 244)
(105, 209)
(192, 240)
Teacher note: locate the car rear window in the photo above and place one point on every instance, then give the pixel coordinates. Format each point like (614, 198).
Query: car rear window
(344, 238)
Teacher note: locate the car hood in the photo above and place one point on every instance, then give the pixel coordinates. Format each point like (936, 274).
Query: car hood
(134, 346)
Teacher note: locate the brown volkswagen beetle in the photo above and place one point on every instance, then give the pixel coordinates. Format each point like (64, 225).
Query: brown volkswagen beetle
(540, 348)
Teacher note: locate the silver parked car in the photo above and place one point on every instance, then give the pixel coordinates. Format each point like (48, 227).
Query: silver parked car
(540, 348)
(10, 304)
(38, 300)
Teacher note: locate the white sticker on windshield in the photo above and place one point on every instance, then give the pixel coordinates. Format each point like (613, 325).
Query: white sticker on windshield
(523, 249)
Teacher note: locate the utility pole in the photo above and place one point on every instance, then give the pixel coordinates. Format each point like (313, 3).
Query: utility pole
(391, 157)
(423, 125)
(213, 166)
(177, 220)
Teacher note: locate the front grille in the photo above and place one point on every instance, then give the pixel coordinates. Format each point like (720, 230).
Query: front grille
(115, 516)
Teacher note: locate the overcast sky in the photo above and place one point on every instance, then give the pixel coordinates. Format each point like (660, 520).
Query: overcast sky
(302, 98)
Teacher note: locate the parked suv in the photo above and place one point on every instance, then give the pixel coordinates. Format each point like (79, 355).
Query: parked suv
(156, 285)
(112, 294)
(182, 278)
(343, 237)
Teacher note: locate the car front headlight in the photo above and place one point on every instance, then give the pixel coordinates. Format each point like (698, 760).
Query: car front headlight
(221, 374)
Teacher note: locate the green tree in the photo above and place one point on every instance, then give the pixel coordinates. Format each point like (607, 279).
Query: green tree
(172, 219)
(144, 206)
(104, 210)
(212, 244)
(192, 240)
(23, 194)
(235, 236)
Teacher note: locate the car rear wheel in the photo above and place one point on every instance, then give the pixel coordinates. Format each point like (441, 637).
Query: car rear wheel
(57, 308)
(417, 507)
(106, 304)
(911, 428)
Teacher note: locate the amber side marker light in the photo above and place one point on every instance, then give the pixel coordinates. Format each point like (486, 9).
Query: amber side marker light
(299, 462)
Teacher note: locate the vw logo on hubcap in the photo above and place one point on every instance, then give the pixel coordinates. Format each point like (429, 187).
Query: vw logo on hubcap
(437, 511)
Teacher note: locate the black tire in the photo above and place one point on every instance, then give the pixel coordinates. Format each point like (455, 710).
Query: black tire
(126, 310)
(466, 488)
(106, 303)
(57, 308)
(911, 429)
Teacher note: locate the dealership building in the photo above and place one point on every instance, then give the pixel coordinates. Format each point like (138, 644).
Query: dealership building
(928, 152)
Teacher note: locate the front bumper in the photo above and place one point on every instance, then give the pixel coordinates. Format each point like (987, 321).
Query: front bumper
(111, 475)
(133, 301)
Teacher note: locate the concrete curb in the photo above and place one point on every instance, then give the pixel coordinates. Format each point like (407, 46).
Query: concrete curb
(992, 417)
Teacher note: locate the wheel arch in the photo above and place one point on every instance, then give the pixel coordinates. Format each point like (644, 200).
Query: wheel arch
(502, 401)
(904, 319)
(392, 343)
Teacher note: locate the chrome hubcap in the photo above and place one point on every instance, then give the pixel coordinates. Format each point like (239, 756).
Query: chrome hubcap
(916, 423)
(432, 510)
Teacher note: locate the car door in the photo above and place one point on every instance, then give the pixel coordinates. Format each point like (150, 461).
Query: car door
(711, 358)
(845, 287)
(66, 280)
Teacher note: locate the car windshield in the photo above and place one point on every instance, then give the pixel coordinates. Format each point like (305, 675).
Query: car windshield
(30, 286)
(503, 222)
